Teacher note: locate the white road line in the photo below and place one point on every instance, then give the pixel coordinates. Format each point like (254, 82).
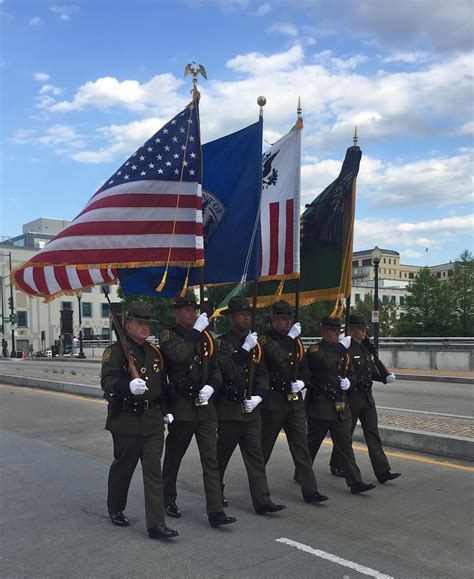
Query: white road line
(334, 559)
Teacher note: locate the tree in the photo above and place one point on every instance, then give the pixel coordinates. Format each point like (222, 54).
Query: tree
(461, 284)
(427, 307)
(388, 315)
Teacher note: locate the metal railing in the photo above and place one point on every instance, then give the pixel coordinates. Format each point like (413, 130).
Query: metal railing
(410, 340)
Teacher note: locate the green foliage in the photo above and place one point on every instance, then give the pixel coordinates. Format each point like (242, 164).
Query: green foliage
(427, 307)
(162, 310)
(388, 315)
(461, 287)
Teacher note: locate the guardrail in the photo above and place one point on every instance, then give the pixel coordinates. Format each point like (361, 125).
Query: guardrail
(403, 341)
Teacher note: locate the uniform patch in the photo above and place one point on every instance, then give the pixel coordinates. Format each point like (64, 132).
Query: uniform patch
(106, 355)
(164, 336)
(262, 340)
(217, 342)
(314, 348)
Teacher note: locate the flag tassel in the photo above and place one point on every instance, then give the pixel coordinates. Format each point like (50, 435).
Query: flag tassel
(185, 285)
(279, 290)
(162, 283)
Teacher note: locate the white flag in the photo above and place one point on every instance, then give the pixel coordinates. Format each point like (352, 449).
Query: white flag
(280, 208)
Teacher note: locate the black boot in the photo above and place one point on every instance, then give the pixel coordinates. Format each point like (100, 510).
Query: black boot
(337, 472)
(315, 498)
(220, 518)
(385, 476)
(361, 487)
(162, 532)
(269, 507)
(119, 519)
(172, 511)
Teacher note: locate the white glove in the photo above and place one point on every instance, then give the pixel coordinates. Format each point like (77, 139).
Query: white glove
(254, 401)
(345, 341)
(205, 393)
(250, 341)
(297, 386)
(295, 330)
(138, 386)
(168, 418)
(390, 378)
(344, 383)
(201, 322)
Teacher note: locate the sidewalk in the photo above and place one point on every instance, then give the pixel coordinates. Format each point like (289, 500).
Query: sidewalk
(458, 376)
(426, 432)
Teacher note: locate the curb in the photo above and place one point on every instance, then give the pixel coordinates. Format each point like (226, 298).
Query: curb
(56, 386)
(409, 439)
(423, 441)
(431, 378)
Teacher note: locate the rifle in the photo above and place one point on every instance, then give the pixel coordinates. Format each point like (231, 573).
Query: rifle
(119, 330)
(378, 362)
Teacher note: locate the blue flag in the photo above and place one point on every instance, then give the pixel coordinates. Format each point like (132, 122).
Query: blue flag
(231, 189)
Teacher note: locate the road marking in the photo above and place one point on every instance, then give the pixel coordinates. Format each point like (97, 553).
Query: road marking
(355, 446)
(334, 559)
(52, 393)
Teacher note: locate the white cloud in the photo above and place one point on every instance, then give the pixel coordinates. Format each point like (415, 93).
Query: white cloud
(331, 62)
(285, 28)
(50, 88)
(64, 136)
(107, 92)
(416, 57)
(41, 76)
(64, 11)
(263, 9)
(256, 63)
(122, 139)
(405, 235)
(35, 21)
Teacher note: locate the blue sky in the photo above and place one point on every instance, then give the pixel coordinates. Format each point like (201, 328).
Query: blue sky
(85, 83)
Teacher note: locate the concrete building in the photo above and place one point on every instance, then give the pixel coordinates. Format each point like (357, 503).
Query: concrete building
(38, 324)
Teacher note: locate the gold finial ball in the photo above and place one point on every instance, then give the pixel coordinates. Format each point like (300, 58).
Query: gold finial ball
(261, 101)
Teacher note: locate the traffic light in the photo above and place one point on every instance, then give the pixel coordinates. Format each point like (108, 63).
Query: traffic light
(13, 319)
(10, 302)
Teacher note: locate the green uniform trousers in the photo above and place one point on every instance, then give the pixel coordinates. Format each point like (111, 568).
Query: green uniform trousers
(367, 414)
(342, 438)
(180, 434)
(128, 449)
(247, 434)
(293, 422)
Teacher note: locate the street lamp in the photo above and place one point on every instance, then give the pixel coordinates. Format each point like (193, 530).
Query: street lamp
(376, 257)
(81, 351)
(11, 305)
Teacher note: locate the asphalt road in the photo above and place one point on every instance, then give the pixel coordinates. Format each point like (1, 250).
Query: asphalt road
(55, 457)
(440, 397)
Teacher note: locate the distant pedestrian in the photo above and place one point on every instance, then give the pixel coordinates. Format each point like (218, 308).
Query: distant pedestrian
(4, 348)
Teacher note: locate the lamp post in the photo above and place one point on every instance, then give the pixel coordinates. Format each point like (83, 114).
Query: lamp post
(81, 351)
(11, 305)
(376, 257)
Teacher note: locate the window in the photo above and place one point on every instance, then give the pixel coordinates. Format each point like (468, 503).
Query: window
(411, 275)
(66, 306)
(87, 309)
(87, 334)
(355, 263)
(450, 272)
(357, 298)
(402, 300)
(389, 261)
(438, 274)
(366, 262)
(384, 260)
(444, 274)
(105, 310)
(105, 333)
(394, 299)
(390, 272)
(22, 319)
(385, 299)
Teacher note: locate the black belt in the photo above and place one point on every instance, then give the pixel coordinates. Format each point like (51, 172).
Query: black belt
(139, 405)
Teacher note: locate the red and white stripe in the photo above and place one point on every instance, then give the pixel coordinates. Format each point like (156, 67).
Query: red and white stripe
(280, 211)
(137, 224)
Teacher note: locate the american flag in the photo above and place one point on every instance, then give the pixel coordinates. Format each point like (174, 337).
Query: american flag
(280, 208)
(148, 213)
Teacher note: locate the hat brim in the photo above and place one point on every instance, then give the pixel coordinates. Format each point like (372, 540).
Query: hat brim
(185, 305)
(138, 318)
(228, 311)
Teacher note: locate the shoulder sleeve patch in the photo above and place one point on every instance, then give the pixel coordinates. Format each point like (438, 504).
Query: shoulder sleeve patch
(217, 342)
(314, 348)
(106, 355)
(164, 336)
(262, 340)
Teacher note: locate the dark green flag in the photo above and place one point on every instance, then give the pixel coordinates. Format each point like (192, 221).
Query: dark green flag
(327, 231)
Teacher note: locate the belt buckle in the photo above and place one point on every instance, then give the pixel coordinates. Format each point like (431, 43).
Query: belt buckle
(146, 404)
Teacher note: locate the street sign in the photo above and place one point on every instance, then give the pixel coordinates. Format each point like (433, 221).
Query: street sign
(6, 319)
(375, 316)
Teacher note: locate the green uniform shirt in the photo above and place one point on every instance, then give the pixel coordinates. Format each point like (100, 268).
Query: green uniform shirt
(238, 367)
